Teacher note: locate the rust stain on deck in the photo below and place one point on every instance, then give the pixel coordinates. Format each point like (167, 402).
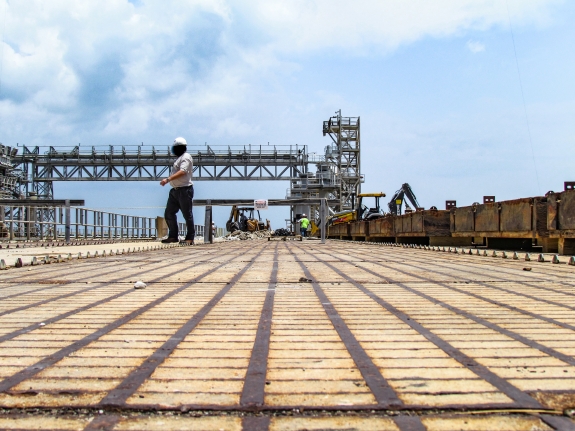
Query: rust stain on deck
(226, 336)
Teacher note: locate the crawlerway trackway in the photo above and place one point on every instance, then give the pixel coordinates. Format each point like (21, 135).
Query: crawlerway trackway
(278, 335)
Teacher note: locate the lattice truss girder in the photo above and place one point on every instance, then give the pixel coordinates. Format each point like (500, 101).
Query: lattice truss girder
(148, 173)
(233, 166)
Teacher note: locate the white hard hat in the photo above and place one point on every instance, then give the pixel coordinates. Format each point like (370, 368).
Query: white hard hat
(303, 215)
(180, 141)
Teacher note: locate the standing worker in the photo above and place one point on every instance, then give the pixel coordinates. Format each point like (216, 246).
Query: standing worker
(303, 224)
(181, 194)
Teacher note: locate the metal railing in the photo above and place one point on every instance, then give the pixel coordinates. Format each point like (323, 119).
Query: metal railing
(120, 152)
(8, 186)
(183, 230)
(57, 222)
(5, 161)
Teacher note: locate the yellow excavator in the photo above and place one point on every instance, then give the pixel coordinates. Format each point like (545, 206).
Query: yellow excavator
(243, 218)
(360, 212)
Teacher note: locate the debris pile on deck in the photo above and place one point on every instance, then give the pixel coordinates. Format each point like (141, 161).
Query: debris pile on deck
(244, 236)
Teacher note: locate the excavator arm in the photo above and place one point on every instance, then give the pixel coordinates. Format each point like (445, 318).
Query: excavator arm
(398, 198)
(396, 201)
(410, 196)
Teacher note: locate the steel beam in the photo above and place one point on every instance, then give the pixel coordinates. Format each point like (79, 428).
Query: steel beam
(266, 163)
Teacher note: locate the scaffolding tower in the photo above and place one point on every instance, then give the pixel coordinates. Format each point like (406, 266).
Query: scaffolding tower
(344, 156)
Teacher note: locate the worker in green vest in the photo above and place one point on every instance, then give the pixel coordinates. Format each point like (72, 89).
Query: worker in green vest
(303, 224)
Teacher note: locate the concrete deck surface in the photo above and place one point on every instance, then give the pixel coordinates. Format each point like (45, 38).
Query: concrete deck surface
(277, 335)
(10, 252)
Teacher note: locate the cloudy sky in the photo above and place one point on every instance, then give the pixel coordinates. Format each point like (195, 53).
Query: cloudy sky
(447, 102)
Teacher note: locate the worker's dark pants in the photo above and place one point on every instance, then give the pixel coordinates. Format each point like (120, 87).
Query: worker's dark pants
(180, 199)
(303, 231)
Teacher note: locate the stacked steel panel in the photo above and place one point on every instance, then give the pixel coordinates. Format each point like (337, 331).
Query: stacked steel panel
(543, 221)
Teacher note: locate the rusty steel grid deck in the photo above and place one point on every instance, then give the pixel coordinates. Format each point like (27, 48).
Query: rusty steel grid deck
(288, 335)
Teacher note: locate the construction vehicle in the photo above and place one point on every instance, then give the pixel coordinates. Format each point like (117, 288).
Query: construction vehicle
(399, 198)
(360, 212)
(243, 218)
(365, 213)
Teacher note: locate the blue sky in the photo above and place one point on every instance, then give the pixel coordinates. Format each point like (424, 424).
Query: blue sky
(435, 83)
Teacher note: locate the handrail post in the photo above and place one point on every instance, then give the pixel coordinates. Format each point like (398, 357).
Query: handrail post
(57, 211)
(11, 223)
(28, 221)
(85, 222)
(208, 223)
(21, 231)
(67, 221)
(322, 218)
(41, 225)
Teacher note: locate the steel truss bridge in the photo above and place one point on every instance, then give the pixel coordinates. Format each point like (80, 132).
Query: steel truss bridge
(32, 171)
(41, 167)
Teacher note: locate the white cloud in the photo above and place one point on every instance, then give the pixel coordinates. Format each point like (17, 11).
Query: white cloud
(303, 24)
(475, 46)
(116, 70)
(233, 127)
